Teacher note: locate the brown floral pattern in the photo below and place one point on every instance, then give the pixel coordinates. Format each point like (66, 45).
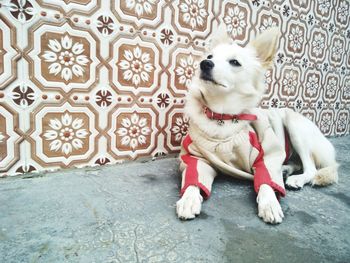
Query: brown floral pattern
(163, 100)
(105, 25)
(296, 38)
(134, 132)
(102, 161)
(342, 122)
(166, 36)
(312, 85)
(82, 85)
(65, 134)
(25, 169)
(193, 13)
(23, 95)
(186, 66)
(290, 82)
(140, 9)
(318, 44)
(22, 10)
(136, 66)
(65, 58)
(236, 20)
(180, 128)
(103, 98)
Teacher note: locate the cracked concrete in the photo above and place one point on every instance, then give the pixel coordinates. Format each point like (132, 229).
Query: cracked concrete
(126, 213)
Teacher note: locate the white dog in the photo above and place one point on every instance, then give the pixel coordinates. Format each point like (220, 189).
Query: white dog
(228, 134)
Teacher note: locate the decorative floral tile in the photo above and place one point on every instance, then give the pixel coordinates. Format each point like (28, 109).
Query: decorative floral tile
(135, 67)
(63, 135)
(313, 85)
(132, 132)
(94, 82)
(65, 60)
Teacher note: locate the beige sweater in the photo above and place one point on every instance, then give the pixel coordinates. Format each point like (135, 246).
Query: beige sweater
(254, 153)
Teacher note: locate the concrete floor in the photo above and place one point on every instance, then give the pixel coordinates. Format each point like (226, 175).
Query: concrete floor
(126, 213)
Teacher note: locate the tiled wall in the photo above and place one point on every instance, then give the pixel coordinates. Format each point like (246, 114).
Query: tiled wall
(86, 82)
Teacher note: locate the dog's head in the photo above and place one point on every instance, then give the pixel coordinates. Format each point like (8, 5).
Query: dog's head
(235, 72)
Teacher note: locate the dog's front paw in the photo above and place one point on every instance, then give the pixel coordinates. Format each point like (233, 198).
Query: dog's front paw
(190, 203)
(268, 206)
(295, 181)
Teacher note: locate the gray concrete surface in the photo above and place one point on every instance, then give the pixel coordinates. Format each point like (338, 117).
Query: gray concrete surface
(126, 213)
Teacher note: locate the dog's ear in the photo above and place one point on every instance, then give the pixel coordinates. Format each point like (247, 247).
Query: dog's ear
(220, 36)
(266, 45)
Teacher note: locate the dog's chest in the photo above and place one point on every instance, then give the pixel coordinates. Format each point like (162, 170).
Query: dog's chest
(235, 150)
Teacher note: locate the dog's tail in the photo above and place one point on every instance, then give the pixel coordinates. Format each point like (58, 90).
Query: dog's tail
(326, 176)
(324, 157)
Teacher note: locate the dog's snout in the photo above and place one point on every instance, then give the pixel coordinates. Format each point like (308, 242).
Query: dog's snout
(206, 65)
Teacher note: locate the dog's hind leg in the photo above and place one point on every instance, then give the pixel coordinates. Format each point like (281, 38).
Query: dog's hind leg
(301, 132)
(197, 179)
(316, 153)
(309, 170)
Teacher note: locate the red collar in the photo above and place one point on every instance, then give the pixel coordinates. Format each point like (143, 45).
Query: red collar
(224, 117)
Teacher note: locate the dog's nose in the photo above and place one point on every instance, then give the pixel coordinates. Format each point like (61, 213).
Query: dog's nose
(206, 65)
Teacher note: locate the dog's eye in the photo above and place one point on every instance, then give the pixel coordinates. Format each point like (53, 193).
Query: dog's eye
(234, 62)
(210, 57)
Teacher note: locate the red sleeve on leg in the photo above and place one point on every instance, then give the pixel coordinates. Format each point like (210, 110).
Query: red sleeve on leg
(262, 175)
(191, 174)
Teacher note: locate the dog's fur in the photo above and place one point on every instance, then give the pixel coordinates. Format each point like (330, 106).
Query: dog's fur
(238, 89)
